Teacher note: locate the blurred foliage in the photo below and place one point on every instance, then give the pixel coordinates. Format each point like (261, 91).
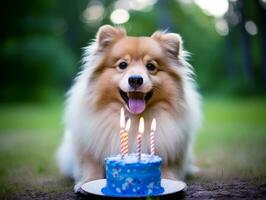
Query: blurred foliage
(41, 43)
(36, 60)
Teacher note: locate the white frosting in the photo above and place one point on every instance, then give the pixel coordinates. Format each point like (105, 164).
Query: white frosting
(133, 158)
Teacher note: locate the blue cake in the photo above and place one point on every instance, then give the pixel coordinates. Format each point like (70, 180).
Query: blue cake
(131, 177)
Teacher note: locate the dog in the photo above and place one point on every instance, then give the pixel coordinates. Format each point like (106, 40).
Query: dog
(147, 76)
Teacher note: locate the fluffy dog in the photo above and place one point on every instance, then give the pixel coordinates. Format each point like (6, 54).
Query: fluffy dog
(149, 77)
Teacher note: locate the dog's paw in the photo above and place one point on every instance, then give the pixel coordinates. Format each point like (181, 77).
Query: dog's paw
(78, 189)
(169, 174)
(193, 170)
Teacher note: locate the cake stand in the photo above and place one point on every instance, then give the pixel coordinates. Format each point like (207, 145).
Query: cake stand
(172, 188)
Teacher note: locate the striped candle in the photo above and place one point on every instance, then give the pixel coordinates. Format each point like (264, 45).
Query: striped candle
(122, 132)
(139, 137)
(126, 136)
(152, 138)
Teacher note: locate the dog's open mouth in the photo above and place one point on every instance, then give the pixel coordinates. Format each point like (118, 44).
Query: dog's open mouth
(136, 101)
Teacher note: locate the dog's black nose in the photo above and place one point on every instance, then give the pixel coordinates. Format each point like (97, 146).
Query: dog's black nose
(135, 81)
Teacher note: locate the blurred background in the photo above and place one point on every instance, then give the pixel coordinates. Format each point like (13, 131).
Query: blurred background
(41, 41)
(41, 47)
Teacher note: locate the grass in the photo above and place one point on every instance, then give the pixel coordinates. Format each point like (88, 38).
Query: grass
(231, 144)
(232, 140)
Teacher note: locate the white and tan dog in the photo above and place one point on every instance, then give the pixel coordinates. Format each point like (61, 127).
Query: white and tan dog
(149, 77)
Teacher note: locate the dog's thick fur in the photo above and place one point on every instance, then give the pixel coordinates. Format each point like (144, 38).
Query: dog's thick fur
(94, 103)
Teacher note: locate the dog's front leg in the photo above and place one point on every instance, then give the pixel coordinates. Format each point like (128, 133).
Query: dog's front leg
(87, 170)
(168, 173)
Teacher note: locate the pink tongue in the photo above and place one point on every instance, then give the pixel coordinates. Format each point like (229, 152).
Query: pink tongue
(136, 105)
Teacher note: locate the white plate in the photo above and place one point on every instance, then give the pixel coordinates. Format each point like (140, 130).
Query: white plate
(170, 187)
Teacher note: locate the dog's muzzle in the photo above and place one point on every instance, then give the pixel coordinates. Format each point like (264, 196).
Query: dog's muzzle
(136, 101)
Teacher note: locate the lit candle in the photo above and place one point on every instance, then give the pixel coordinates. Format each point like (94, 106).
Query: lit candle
(139, 138)
(125, 146)
(122, 126)
(152, 140)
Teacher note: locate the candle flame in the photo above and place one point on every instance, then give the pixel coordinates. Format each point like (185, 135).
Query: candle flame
(153, 125)
(128, 125)
(122, 118)
(141, 125)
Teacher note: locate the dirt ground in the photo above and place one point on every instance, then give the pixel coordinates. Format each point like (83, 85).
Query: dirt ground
(230, 189)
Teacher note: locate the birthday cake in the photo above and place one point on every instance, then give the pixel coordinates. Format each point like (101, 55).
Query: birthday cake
(133, 177)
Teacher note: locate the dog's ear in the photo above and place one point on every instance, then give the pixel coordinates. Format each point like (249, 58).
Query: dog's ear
(107, 35)
(172, 42)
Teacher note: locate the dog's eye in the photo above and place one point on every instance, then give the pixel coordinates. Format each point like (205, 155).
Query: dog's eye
(122, 65)
(150, 67)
